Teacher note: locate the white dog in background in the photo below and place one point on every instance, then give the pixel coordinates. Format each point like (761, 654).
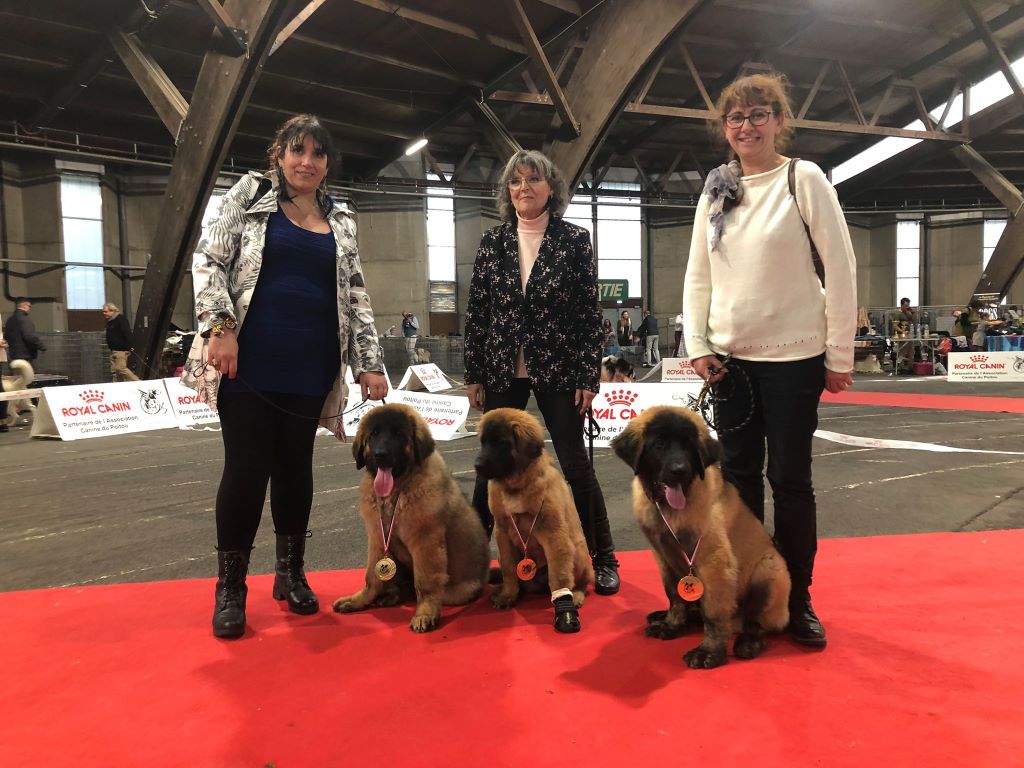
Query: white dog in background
(21, 409)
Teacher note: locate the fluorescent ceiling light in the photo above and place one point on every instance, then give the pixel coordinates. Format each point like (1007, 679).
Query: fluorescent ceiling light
(984, 94)
(416, 146)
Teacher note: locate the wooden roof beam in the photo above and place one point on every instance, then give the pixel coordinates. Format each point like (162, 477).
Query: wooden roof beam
(292, 26)
(994, 48)
(236, 41)
(157, 87)
(536, 53)
(437, 22)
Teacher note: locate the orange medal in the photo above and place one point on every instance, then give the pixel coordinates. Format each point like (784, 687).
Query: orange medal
(526, 569)
(690, 588)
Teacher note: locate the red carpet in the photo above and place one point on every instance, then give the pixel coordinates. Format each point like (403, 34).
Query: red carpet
(923, 668)
(941, 402)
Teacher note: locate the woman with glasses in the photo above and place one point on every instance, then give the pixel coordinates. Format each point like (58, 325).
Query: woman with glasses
(752, 290)
(533, 323)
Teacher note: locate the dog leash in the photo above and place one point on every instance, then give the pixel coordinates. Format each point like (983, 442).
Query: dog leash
(711, 396)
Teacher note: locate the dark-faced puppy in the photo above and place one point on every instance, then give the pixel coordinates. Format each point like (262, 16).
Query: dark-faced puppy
(535, 523)
(687, 511)
(417, 521)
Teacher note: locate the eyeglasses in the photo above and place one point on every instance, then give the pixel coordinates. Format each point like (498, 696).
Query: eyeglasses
(517, 182)
(756, 117)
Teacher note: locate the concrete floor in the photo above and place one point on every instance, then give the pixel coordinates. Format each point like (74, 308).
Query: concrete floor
(137, 508)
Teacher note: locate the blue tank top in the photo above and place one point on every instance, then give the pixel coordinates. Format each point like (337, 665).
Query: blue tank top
(289, 340)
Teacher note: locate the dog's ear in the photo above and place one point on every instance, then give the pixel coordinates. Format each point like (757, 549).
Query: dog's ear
(629, 444)
(359, 444)
(422, 440)
(710, 452)
(529, 444)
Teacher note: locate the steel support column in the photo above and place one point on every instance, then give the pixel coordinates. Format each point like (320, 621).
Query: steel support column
(625, 37)
(221, 94)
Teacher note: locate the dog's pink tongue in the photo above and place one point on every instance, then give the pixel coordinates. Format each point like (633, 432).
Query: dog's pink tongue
(383, 482)
(675, 497)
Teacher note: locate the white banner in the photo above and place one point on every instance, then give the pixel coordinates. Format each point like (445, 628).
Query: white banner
(188, 411)
(679, 369)
(96, 410)
(907, 445)
(426, 376)
(619, 403)
(445, 414)
(985, 366)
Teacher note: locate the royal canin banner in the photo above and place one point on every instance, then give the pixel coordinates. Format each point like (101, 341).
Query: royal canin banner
(985, 366)
(445, 414)
(678, 369)
(96, 410)
(618, 403)
(188, 411)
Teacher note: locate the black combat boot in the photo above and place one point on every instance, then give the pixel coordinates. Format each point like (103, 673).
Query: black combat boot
(289, 580)
(229, 600)
(606, 567)
(804, 626)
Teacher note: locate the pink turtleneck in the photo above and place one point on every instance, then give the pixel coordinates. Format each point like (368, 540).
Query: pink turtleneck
(531, 234)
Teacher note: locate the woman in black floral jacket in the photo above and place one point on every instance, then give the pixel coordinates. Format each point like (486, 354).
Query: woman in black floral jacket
(534, 323)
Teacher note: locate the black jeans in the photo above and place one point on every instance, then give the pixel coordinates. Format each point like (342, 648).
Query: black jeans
(263, 443)
(565, 424)
(785, 415)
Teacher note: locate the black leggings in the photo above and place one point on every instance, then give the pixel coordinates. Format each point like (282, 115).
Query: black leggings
(263, 444)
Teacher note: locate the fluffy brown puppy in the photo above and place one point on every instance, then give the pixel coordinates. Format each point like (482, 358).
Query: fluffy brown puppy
(684, 506)
(436, 541)
(529, 498)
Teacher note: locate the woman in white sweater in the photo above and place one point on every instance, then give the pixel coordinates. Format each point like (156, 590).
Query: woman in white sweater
(753, 291)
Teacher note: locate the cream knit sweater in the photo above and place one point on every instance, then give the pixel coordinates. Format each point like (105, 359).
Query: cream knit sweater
(757, 295)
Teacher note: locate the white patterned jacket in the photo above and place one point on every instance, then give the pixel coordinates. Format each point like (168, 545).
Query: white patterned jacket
(226, 267)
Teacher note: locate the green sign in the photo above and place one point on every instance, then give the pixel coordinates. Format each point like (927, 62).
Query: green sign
(612, 290)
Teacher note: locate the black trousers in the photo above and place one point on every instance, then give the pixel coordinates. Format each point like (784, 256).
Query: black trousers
(268, 438)
(785, 415)
(565, 424)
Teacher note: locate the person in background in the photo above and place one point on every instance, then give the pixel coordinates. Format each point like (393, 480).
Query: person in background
(282, 308)
(908, 349)
(23, 343)
(119, 341)
(648, 334)
(679, 348)
(978, 338)
(752, 291)
(611, 342)
(533, 323)
(410, 330)
(624, 330)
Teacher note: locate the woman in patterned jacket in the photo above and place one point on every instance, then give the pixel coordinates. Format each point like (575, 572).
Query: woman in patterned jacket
(282, 308)
(534, 323)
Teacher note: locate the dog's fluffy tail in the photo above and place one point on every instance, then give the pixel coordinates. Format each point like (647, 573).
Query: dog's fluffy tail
(23, 375)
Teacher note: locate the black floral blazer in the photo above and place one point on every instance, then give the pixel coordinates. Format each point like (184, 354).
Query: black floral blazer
(557, 322)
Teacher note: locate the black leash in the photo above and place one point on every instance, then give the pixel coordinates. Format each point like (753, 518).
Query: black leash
(711, 396)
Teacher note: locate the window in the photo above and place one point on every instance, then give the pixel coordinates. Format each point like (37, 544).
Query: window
(82, 219)
(992, 232)
(908, 261)
(619, 232)
(440, 231)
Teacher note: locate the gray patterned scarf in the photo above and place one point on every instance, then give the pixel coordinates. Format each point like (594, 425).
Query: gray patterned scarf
(724, 189)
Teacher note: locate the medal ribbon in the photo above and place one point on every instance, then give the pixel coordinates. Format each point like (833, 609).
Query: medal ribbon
(689, 558)
(387, 539)
(520, 535)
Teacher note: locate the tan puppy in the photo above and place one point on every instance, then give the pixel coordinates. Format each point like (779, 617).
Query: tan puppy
(436, 542)
(530, 499)
(684, 506)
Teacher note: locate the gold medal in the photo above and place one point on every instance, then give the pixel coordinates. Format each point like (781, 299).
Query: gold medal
(690, 588)
(385, 569)
(526, 569)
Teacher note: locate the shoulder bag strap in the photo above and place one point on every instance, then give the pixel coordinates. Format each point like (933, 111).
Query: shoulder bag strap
(819, 268)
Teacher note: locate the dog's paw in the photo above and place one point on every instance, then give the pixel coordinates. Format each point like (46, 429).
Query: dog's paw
(424, 623)
(348, 605)
(387, 599)
(567, 620)
(662, 630)
(705, 658)
(578, 597)
(503, 600)
(748, 646)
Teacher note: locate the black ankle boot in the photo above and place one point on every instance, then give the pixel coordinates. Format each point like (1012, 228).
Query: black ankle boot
(804, 626)
(289, 580)
(229, 600)
(606, 573)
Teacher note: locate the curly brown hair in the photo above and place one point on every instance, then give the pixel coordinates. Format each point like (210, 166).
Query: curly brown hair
(756, 90)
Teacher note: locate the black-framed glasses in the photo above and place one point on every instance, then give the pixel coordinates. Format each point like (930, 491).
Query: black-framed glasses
(756, 117)
(515, 182)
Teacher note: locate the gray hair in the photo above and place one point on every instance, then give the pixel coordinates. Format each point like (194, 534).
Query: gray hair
(543, 167)
(112, 307)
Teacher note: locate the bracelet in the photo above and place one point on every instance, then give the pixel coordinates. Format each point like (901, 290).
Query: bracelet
(224, 324)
